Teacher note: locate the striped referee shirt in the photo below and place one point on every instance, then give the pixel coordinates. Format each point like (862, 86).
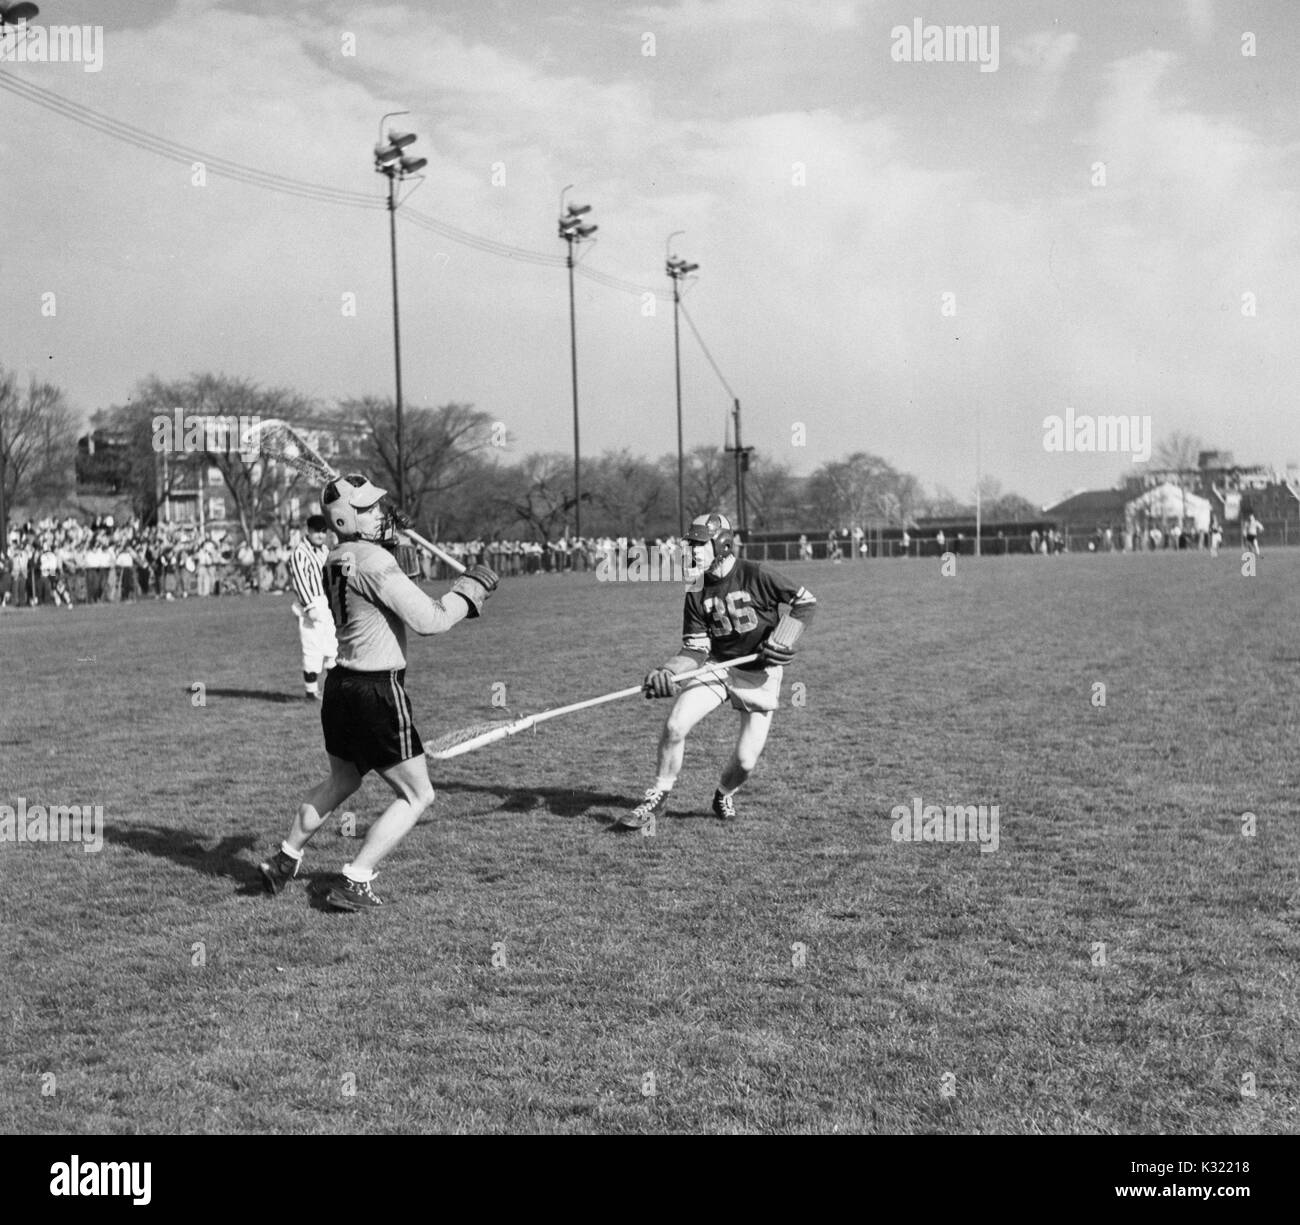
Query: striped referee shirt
(305, 566)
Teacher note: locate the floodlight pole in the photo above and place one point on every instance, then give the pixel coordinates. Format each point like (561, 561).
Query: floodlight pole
(397, 339)
(573, 231)
(4, 504)
(677, 268)
(390, 162)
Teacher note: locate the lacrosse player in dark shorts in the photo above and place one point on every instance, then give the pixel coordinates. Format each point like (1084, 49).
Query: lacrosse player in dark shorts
(365, 713)
(732, 609)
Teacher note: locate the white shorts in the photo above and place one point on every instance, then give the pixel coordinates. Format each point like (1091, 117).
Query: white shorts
(745, 690)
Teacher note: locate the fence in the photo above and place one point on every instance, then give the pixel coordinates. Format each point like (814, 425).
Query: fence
(1277, 532)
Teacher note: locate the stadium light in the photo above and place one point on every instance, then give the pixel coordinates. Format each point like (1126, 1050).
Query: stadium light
(16, 14)
(677, 268)
(573, 231)
(391, 162)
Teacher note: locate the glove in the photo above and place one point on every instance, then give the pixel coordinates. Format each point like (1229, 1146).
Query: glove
(485, 576)
(660, 683)
(472, 592)
(775, 654)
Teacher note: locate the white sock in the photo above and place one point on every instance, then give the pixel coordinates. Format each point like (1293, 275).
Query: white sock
(355, 874)
(288, 850)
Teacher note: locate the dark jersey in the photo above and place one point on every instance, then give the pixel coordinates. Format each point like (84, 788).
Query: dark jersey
(730, 615)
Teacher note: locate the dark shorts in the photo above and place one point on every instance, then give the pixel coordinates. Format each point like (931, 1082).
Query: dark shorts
(367, 719)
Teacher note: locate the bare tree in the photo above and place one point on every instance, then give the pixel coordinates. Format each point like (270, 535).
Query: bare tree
(439, 448)
(1177, 452)
(163, 463)
(40, 439)
(539, 490)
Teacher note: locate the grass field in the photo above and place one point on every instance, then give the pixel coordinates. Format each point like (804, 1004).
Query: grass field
(650, 984)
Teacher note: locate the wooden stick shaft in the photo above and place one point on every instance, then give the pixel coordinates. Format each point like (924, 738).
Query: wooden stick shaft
(716, 668)
(429, 547)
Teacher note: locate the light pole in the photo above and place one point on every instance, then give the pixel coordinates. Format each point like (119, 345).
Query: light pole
(4, 475)
(574, 230)
(677, 268)
(391, 162)
(742, 466)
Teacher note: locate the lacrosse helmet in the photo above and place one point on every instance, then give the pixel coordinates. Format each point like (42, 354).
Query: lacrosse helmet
(343, 497)
(715, 528)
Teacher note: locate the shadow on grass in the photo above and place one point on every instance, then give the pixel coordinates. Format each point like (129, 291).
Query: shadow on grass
(259, 695)
(564, 802)
(229, 858)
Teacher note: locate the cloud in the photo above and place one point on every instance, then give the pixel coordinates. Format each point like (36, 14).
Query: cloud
(1045, 51)
(1200, 16)
(709, 14)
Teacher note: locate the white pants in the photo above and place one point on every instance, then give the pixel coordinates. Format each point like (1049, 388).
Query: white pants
(319, 645)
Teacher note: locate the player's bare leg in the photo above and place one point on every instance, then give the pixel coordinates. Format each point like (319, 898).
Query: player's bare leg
(410, 783)
(691, 705)
(754, 727)
(321, 800)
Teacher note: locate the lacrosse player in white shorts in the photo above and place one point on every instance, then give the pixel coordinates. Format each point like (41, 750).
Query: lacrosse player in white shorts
(315, 625)
(733, 610)
(365, 713)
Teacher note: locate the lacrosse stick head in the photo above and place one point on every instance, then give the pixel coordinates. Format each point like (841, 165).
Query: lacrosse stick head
(465, 739)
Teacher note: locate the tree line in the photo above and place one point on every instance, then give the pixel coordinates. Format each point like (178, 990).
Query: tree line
(461, 479)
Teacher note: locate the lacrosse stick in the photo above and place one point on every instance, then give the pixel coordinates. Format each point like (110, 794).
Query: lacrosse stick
(466, 739)
(278, 440)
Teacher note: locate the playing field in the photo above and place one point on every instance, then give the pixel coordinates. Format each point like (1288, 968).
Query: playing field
(1125, 960)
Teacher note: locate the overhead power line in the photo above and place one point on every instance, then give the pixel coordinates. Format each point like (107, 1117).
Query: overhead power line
(696, 332)
(253, 177)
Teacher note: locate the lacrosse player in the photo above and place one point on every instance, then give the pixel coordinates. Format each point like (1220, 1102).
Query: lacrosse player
(365, 713)
(733, 609)
(315, 624)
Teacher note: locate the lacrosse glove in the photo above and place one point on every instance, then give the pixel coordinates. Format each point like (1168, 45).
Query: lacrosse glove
(775, 654)
(660, 683)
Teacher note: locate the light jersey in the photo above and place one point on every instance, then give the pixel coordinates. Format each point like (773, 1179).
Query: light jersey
(373, 602)
(731, 614)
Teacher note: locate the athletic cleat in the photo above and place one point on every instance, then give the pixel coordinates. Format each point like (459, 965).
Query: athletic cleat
(724, 806)
(278, 871)
(654, 805)
(352, 895)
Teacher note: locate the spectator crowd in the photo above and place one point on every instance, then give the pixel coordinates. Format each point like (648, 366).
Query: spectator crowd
(60, 563)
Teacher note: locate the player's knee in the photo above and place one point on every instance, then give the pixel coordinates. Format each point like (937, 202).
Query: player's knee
(675, 730)
(422, 796)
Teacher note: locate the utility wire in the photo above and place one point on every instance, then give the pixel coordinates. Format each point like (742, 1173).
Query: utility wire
(250, 175)
(698, 337)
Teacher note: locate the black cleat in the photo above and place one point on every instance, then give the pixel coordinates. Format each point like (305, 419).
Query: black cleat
(278, 871)
(724, 806)
(654, 805)
(352, 895)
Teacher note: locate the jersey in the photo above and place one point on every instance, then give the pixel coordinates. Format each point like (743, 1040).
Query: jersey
(305, 565)
(373, 602)
(731, 614)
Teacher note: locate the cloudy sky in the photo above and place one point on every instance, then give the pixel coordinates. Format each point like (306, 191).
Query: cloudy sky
(831, 193)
